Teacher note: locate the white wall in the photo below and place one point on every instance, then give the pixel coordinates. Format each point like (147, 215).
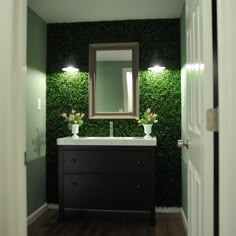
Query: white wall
(12, 120)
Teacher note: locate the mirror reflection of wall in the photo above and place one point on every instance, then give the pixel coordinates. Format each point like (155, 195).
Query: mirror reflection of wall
(113, 82)
(127, 89)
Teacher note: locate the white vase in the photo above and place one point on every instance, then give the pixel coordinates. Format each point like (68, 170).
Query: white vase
(75, 131)
(147, 130)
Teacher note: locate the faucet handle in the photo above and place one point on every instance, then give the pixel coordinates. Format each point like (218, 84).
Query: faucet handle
(111, 128)
(111, 124)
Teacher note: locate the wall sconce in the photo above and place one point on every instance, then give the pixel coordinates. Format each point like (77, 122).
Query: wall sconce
(70, 65)
(156, 64)
(156, 68)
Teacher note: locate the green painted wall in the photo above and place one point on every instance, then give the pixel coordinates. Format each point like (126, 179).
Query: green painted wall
(109, 76)
(36, 119)
(184, 159)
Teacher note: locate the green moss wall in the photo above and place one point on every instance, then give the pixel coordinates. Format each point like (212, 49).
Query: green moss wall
(161, 36)
(161, 92)
(36, 119)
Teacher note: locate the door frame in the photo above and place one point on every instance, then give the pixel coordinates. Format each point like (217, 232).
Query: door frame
(227, 115)
(13, 217)
(215, 105)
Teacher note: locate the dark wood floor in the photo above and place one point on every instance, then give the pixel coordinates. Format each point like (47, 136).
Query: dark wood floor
(106, 224)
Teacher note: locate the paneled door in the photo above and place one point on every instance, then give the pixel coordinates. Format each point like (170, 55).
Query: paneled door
(197, 98)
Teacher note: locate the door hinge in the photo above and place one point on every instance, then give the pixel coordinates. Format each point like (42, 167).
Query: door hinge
(212, 119)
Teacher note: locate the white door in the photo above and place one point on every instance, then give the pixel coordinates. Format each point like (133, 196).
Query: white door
(227, 112)
(197, 99)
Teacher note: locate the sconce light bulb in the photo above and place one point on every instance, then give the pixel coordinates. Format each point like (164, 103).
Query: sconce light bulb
(70, 69)
(156, 68)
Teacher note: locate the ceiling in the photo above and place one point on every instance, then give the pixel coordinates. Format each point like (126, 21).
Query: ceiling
(59, 11)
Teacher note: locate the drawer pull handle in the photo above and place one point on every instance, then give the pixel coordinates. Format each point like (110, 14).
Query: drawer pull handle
(138, 162)
(73, 160)
(74, 184)
(138, 186)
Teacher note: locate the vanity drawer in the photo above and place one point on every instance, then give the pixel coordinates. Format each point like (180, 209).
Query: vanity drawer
(107, 192)
(98, 161)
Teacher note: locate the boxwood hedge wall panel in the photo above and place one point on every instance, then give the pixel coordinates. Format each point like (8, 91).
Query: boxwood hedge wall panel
(154, 36)
(160, 92)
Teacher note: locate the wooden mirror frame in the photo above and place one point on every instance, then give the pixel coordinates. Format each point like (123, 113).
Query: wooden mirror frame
(93, 48)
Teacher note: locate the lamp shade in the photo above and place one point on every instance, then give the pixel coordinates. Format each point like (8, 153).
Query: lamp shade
(70, 65)
(156, 62)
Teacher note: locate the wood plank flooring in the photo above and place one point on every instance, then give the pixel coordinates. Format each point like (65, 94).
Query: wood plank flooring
(106, 224)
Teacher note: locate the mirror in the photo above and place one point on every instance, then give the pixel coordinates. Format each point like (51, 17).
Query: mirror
(113, 81)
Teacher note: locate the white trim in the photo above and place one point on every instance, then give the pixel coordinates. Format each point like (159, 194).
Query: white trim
(227, 115)
(167, 210)
(53, 206)
(13, 217)
(184, 219)
(36, 214)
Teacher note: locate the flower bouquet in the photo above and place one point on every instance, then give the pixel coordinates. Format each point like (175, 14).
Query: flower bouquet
(74, 120)
(147, 120)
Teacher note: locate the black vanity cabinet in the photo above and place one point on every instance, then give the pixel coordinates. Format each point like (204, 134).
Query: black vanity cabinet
(107, 178)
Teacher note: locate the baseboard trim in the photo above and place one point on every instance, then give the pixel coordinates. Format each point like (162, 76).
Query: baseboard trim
(168, 210)
(53, 206)
(157, 209)
(184, 219)
(36, 214)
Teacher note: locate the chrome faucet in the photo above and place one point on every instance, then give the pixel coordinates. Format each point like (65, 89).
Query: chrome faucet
(111, 128)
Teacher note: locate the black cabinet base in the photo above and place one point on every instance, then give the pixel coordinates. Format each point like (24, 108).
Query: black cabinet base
(107, 178)
(152, 217)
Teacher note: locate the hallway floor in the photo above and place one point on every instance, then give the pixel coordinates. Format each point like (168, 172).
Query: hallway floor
(106, 224)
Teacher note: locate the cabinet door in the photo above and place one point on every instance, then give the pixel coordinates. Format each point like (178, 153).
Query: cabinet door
(107, 192)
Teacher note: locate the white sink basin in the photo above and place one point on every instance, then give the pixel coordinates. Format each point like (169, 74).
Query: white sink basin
(112, 141)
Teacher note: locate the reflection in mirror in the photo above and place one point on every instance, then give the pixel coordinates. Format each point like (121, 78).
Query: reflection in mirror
(127, 89)
(111, 93)
(113, 81)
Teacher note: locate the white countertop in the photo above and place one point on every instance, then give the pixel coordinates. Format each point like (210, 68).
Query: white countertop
(111, 141)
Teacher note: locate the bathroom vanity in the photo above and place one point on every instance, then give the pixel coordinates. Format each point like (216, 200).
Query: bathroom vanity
(106, 173)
